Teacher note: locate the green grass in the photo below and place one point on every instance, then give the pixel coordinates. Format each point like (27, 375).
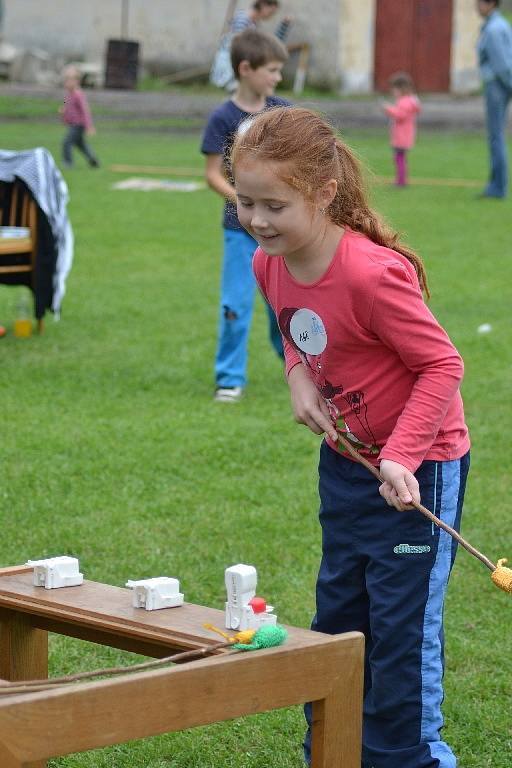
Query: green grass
(15, 107)
(18, 108)
(112, 449)
(201, 85)
(43, 109)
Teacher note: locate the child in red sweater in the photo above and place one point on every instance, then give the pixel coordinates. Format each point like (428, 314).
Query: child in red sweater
(77, 116)
(365, 358)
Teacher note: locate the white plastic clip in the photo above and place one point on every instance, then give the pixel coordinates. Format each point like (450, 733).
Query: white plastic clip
(243, 609)
(56, 572)
(153, 594)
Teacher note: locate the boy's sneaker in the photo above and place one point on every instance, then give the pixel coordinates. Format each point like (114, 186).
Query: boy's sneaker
(228, 394)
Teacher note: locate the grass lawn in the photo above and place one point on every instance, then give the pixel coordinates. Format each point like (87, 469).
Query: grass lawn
(113, 451)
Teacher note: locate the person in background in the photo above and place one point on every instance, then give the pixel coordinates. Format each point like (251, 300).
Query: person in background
(77, 116)
(257, 59)
(261, 10)
(495, 59)
(366, 359)
(402, 114)
(222, 73)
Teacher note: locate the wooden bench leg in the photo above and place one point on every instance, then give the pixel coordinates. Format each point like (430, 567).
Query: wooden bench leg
(336, 727)
(23, 649)
(7, 759)
(23, 656)
(335, 735)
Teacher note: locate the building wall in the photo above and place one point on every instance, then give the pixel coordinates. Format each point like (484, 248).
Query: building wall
(175, 33)
(168, 29)
(466, 26)
(185, 34)
(357, 40)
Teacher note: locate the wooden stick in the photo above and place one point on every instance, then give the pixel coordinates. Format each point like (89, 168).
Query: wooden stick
(29, 686)
(424, 511)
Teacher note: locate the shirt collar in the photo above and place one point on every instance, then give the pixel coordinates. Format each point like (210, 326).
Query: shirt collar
(492, 15)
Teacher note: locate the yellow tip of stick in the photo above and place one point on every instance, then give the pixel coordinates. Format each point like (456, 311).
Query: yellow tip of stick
(502, 576)
(218, 631)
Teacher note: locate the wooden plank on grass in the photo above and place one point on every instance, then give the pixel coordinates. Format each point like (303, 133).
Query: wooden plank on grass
(163, 170)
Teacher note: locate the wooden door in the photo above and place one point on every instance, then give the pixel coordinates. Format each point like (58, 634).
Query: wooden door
(414, 36)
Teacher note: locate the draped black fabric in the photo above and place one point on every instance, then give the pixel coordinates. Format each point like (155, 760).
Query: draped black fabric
(35, 172)
(41, 282)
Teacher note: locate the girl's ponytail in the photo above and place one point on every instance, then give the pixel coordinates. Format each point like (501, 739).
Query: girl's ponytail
(350, 208)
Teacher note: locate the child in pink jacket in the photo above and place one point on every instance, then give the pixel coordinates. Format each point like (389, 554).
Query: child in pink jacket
(402, 116)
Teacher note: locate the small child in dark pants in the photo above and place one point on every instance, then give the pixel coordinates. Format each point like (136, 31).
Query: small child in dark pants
(77, 116)
(402, 116)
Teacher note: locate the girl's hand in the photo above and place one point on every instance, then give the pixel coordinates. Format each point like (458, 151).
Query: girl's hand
(308, 405)
(400, 487)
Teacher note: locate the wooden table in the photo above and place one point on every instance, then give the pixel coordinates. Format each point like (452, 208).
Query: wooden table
(324, 669)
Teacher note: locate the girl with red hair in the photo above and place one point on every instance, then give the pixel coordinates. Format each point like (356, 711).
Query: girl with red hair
(365, 357)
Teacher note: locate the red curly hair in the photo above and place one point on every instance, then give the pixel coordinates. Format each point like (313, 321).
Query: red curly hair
(310, 154)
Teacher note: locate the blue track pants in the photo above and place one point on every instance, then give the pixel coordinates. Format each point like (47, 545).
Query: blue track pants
(385, 573)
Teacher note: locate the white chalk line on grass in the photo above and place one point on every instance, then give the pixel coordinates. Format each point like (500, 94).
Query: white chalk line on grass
(164, 185)
(164, 170)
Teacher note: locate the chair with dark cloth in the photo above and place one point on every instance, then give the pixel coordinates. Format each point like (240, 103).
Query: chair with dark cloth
(18, 236)
(38, 251)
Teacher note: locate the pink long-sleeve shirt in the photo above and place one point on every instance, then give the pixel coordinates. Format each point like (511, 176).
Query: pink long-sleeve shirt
(76, 109)
(386, 369)
(403, 121)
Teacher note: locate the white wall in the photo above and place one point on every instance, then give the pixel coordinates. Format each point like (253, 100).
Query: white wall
(178, 33)
(183, 34)
(357, 43)
(466, 26)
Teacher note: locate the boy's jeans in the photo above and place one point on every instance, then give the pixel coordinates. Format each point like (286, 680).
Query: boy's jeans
(497, 97)
(238, 287)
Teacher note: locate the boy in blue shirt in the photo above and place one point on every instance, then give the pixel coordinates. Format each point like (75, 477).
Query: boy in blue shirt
(257, 60)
